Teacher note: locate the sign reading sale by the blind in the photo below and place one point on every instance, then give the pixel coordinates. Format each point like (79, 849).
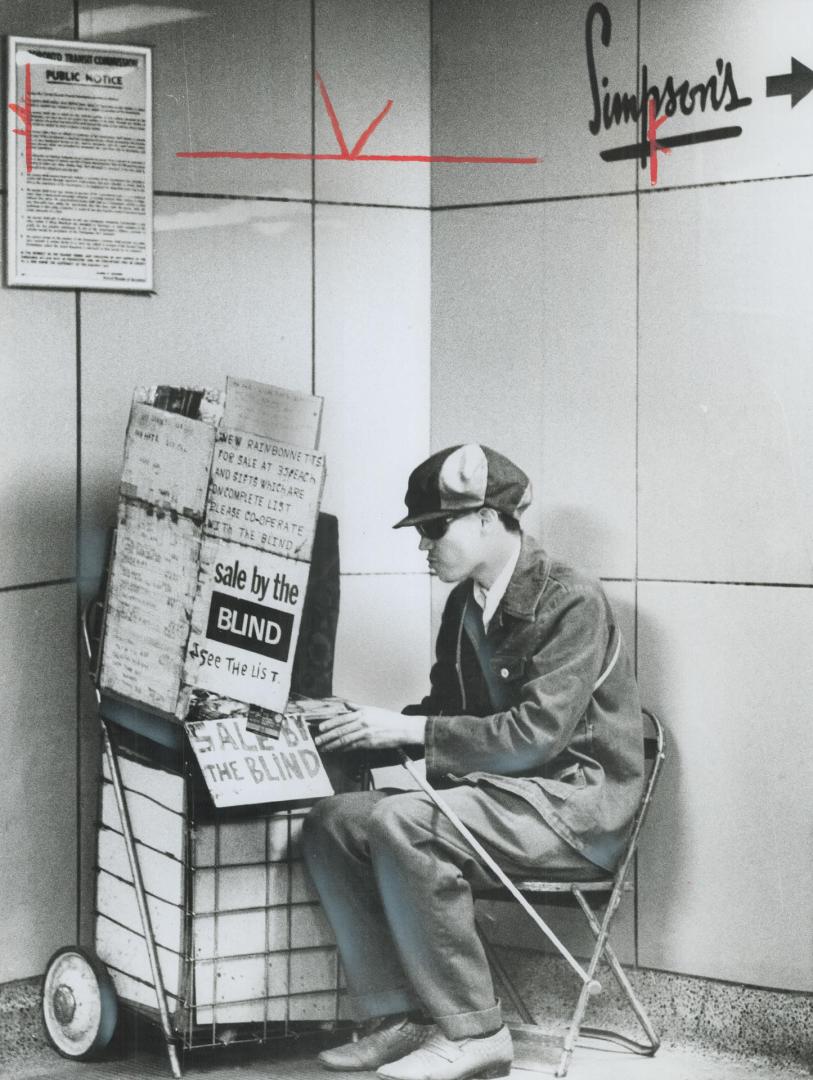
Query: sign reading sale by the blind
(245, 623)
(241, 767)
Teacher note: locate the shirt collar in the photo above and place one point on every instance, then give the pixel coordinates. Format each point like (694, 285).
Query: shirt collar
(489, 599)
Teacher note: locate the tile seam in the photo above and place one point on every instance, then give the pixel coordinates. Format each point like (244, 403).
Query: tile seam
(620, 194)
(303, 201)
(635, 875)
(738, 584)
(78, 600)
(24, 585)
(313, 196)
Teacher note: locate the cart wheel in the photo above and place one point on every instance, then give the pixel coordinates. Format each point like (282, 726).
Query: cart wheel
(79, 1004)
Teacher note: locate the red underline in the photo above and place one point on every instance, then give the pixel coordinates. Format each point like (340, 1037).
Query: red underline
(449, 159)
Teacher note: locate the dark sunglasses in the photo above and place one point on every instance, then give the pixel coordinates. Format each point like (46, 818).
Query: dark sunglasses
(435, 528)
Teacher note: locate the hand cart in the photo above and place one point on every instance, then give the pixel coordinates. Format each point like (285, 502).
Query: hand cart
(205, 920)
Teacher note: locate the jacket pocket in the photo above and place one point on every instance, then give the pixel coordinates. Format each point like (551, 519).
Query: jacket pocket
(508, 668)
(572, 779)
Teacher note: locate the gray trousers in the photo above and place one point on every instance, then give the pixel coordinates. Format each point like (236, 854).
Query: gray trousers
(395, 880)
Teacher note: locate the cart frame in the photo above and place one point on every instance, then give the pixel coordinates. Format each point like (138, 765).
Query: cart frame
(183, 1035)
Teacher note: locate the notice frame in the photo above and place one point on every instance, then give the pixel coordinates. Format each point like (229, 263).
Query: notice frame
(86, 220)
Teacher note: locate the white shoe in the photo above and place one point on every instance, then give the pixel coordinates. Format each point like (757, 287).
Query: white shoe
(455, 1059)
(391, 1040)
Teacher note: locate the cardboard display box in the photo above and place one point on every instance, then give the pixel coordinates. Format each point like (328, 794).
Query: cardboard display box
(216, 523)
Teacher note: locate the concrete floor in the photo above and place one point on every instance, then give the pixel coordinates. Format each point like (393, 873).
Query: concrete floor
(293, 1059)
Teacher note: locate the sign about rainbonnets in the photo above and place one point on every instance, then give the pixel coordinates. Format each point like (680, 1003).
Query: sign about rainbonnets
(240, 767)
(264, 493)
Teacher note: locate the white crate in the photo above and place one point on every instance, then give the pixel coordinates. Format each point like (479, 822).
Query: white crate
(259, 944)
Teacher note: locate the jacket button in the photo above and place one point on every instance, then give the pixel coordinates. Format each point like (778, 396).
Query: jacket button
(504, 672)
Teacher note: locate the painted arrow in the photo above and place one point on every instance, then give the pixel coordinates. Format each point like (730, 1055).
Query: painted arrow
(798, 84)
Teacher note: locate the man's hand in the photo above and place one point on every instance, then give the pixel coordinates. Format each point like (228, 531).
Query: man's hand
(370, 728)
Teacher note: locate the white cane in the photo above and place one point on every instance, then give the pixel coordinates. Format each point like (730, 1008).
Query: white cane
(593, 985)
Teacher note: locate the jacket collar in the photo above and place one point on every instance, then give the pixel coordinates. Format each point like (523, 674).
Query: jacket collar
(528, 581)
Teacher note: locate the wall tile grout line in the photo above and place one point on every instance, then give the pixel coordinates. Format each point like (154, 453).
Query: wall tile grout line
(229, 198)
(159, 193)
(533, 201)
(726, 183)
(619, 194)
(313, 197)
(635, 895)
(431, 6)
(723, 581)
(37, 584)
(431, 21)
(385, 573)
(286, 199)
(78, 572)
(619, 580)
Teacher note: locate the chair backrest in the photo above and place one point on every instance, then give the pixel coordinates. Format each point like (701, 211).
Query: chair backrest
(654, 757)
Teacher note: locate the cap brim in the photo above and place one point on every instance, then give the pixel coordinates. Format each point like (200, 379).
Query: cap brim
(449, 512)
(416, 519)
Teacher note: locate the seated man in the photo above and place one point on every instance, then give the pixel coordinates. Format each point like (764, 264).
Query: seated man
(533, 728)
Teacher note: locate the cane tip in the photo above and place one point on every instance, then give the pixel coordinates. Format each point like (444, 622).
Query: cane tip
(594, 987)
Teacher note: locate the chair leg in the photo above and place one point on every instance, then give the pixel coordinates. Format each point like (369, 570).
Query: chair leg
(609, 954)
(621, 978)
(576, 1023)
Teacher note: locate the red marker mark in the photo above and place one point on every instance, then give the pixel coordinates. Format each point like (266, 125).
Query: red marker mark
(654, 147)
(346, 154)
(24, 113)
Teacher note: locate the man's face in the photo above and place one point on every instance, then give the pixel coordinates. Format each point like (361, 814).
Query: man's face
(459, 553)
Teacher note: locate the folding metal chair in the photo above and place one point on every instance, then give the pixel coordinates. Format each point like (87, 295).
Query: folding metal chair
(605, 890)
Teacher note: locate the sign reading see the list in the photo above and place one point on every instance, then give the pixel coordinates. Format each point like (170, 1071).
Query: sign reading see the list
(245, 623)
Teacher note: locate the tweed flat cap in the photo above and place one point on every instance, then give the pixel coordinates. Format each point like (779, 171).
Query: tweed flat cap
(465, 478)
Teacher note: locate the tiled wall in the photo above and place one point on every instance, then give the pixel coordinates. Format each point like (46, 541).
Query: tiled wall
(254, 277)
(645, 352)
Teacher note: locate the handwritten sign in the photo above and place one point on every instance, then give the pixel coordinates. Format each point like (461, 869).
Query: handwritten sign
(152, 585)
(240, 767)
(166, 460)
(264, 493)
(285, 415)
(245, 623)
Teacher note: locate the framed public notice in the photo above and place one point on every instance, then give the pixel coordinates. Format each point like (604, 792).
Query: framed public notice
(79, 165)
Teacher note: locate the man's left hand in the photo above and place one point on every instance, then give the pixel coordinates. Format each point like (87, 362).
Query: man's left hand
(369, 728)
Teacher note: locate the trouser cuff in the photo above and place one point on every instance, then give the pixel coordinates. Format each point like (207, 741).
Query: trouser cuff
(384, 1003)
(464, 1025)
